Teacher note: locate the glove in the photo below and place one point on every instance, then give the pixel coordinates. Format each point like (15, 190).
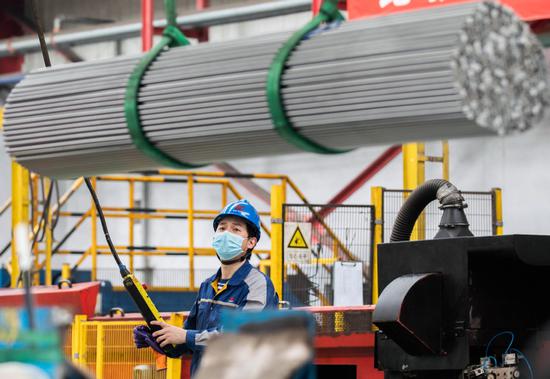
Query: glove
(144, 338)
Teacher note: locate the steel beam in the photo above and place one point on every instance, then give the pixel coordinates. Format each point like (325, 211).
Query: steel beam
(200, 19)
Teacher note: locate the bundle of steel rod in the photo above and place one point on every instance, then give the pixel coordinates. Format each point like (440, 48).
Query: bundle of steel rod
(445, 72)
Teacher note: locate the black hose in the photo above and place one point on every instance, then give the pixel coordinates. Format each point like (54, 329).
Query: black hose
(431, 190)
(42, 225)
(123, 270)
(31, 190)
(45, 208)
(57, 209)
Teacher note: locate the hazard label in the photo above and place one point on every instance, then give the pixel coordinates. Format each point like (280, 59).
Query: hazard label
(297, 239)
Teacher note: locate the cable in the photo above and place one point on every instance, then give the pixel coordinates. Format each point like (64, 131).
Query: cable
(40, 32)
(31, 190)
(123, 270)
(315, 286)
(47, 62)
(57, 208)
(491, 358)
(43, 221)
(498, 335)
(522, 356)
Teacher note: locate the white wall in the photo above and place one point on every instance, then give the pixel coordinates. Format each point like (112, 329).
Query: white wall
(517, 164)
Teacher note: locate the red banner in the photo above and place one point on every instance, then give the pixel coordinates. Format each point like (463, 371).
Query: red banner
(527, 10)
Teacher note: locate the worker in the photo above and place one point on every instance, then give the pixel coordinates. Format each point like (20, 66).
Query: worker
(236, 285)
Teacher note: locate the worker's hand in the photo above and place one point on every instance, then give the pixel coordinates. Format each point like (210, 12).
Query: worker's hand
(143, 338)
(169, 334)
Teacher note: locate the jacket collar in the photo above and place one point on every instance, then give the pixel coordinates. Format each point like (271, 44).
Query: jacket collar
(238, 277)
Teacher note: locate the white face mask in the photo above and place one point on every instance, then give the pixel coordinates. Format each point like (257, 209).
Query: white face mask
(227, 245)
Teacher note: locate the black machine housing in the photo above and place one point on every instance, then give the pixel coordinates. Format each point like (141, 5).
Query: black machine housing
(441, 301)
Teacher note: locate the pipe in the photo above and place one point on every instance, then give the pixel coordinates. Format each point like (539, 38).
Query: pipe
(201, 19)
(147, 20)
(450, 199)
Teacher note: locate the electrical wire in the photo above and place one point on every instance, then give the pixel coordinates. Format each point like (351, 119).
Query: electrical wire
(31, 190)
(43, 221)
(524, 358)
(512, 338)
(491, 358)
(47, 62)
(57, 209)
(123, 270)
(45, 209)
(315, 286)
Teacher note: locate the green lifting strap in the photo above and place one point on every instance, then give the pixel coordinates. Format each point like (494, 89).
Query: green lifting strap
(328, 12)
(171, 36)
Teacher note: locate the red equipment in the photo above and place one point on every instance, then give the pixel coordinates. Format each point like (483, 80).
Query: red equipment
(81, 298)
(527, 10)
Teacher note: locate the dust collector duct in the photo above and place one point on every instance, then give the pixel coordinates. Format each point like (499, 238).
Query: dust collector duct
(449, 197)
(446, 72)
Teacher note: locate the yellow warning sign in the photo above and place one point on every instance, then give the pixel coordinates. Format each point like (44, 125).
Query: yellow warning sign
(298, 241)
(297, 237)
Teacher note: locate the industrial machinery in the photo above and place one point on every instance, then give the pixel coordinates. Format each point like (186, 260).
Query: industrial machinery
(460, 306)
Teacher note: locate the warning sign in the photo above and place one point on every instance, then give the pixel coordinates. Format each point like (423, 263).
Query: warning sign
(297, 239)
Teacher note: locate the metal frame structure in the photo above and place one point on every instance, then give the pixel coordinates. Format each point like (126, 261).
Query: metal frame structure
(340, 252)
(131, 213)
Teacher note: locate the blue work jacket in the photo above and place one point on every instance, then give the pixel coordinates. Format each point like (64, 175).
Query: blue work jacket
(248, 289)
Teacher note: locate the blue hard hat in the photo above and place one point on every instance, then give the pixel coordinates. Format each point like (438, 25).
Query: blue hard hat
(242, 209)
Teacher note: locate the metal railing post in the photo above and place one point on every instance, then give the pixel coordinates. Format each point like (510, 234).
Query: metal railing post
(276, 255)
(377, 200)
(284, 184)
(34, 224)
(498, 225)
(445, 158)
(76, 338)
(100, 351)
(173, 365)
(83, 342)
(413, 176)
(191, 229)
(19, 212)
(66, 271)
(224, 195)
(93, 249)
(131, 204)
(49, 239)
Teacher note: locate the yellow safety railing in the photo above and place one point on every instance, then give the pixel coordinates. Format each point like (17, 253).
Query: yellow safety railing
(106, 349)
(44, 251)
